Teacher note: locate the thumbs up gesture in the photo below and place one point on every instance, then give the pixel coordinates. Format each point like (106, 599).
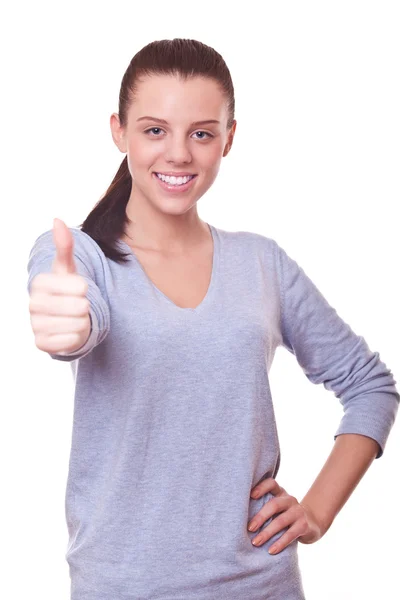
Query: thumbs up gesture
(58, 306)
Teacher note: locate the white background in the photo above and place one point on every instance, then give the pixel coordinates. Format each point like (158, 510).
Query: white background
(314, 165)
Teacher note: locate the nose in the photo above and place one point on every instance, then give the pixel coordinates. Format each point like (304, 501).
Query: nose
(177, 150)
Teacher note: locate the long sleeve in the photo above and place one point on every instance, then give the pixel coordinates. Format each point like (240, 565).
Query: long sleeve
(88, 264)
(329, 352)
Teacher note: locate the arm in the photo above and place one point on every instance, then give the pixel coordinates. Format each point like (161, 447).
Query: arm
(331, 353)
(351, 456)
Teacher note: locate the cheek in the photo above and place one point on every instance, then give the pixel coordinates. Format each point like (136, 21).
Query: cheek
(212, 162)
(213, 155)
(141, 156)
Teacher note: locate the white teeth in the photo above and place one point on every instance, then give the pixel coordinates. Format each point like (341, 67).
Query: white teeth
(174, 180)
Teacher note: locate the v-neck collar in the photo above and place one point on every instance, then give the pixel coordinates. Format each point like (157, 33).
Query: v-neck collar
(207, 298)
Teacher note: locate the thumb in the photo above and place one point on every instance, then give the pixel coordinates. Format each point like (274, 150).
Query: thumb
(64, 242)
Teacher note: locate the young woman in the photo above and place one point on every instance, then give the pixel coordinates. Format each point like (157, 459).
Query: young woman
(170, 325)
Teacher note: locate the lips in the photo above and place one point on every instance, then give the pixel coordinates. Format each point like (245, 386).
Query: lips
(174, 188)
(175, 174)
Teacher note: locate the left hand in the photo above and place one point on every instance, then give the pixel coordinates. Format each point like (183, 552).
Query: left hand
(302, 523)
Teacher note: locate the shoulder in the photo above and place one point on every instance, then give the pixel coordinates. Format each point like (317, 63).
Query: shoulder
(250, 241)
(84, 245)
(82, 239)
(86, 251)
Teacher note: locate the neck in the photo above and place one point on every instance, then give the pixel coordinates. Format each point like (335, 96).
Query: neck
(152, 230)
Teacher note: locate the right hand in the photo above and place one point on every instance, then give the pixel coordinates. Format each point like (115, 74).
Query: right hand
(59, 308)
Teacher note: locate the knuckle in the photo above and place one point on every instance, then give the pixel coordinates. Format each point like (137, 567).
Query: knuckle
(304, 526)
(86, 305)
(81, 307)
(32, 304)
(85, 286)
(82, 323)
(39, 325)
(40, 343)
(75, 338)
(304, 519)
(37, 303)
(281, 521)
(38, 281)
(301, 512)
(82, 285)
(34, 324)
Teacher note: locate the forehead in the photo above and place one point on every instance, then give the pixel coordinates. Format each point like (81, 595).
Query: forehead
(168, 97)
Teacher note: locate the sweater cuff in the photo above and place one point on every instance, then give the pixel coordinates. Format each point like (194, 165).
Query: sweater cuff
(88, 345)
(376, 426)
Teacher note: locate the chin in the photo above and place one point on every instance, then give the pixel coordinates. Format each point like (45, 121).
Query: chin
(178, 209)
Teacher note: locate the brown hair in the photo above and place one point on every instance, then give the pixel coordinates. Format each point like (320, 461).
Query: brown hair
(184, 57)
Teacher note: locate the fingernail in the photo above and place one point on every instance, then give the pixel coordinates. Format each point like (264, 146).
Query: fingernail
(273, 549)
(255, 493)
(252, 526)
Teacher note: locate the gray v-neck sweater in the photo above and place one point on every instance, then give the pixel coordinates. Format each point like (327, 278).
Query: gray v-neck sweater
(174, 421)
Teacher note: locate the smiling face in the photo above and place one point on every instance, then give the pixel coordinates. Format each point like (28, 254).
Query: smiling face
(170, 139)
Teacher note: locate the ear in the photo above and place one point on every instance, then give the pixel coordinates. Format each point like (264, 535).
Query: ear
(118, 133)
(231, 135)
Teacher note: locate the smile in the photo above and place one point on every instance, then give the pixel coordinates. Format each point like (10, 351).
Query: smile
(174, 180)
(174, 184)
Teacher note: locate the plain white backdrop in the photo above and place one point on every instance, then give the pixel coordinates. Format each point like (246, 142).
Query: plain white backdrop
(314, 165)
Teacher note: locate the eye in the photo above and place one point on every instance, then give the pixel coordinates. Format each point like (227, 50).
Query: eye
(209, 135)
(152, 129)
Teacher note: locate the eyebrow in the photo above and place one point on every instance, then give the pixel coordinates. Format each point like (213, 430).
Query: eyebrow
(166, 122)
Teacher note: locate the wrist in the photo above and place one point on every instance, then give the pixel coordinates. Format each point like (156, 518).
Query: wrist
(323, 522)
